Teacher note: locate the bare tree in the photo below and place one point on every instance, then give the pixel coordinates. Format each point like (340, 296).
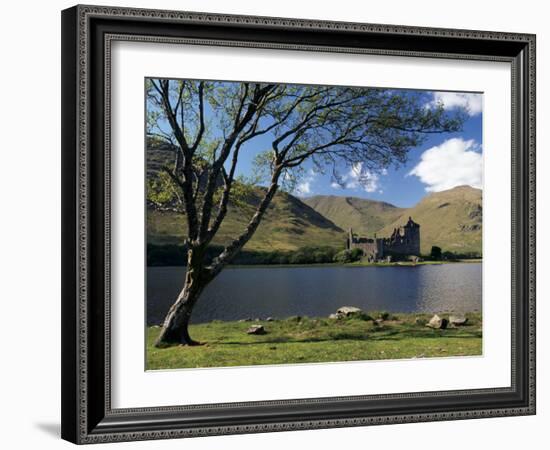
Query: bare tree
(209, 125)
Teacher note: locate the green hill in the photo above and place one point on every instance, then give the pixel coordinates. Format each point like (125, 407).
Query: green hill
(364, 216)
(288, 225)
(450, 219)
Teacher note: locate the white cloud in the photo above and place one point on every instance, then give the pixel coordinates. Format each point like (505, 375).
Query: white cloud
(358, 177)
(453, 163)
(304, 186)
(473, 103)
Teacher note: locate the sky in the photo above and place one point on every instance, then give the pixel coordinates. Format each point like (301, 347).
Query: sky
(441, 162)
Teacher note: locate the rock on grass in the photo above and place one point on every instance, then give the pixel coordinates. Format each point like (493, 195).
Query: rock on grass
(437, 322)
(458, 320)
(256, 329)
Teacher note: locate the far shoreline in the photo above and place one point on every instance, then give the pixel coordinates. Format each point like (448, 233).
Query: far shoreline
(346, 265)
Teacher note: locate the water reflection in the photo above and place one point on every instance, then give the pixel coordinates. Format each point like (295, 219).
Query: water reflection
(318, 291)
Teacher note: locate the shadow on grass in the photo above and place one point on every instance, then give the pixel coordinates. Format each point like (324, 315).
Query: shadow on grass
(395, 336)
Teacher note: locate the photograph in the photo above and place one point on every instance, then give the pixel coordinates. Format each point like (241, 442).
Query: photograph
(296, 223)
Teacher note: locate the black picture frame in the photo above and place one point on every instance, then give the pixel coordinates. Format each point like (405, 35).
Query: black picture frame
(87, 416)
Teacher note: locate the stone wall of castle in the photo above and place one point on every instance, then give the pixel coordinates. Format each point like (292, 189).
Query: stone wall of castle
(404, 241)
(373, 248)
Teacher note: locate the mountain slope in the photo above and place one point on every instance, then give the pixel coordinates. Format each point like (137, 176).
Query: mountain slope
(287, 225)
(450, 219)
(366, 217)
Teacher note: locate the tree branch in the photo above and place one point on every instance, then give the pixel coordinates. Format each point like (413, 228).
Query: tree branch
(224, 200)
(201, 118)
(236, 245)
(183, 161)
(215, 169)
(309, 116)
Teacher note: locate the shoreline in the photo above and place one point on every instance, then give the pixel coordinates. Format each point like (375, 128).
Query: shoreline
(347, 265)
(373, 314)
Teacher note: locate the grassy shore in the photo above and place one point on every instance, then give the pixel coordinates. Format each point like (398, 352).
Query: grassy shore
(307, 340)
(356, 264)
(412, 264)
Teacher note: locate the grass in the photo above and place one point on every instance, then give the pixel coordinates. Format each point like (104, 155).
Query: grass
(356, 264)
(450, 219)
(288, 225)
(398, 263)
(308, 340)
(363, 215)
(412, 264)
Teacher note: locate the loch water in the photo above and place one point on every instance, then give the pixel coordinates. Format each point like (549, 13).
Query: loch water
(251, 292)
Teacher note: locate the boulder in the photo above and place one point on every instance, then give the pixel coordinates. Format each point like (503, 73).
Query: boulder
(256, 329)
(269, 319)
(334, 316)
(346, 311)
(437, 322)
(458, 319)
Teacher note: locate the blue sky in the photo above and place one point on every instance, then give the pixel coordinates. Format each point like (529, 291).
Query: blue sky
(443, 161)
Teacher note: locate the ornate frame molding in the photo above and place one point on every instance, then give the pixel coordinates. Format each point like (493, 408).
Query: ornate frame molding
(87, 259)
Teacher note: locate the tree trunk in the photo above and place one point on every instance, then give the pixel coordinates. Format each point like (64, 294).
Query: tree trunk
(175, 329)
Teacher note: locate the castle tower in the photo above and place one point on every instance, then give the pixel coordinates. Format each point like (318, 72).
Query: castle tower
(350, 239)
(412, 236)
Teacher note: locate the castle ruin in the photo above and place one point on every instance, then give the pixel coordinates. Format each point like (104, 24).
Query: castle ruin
(403, 242)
